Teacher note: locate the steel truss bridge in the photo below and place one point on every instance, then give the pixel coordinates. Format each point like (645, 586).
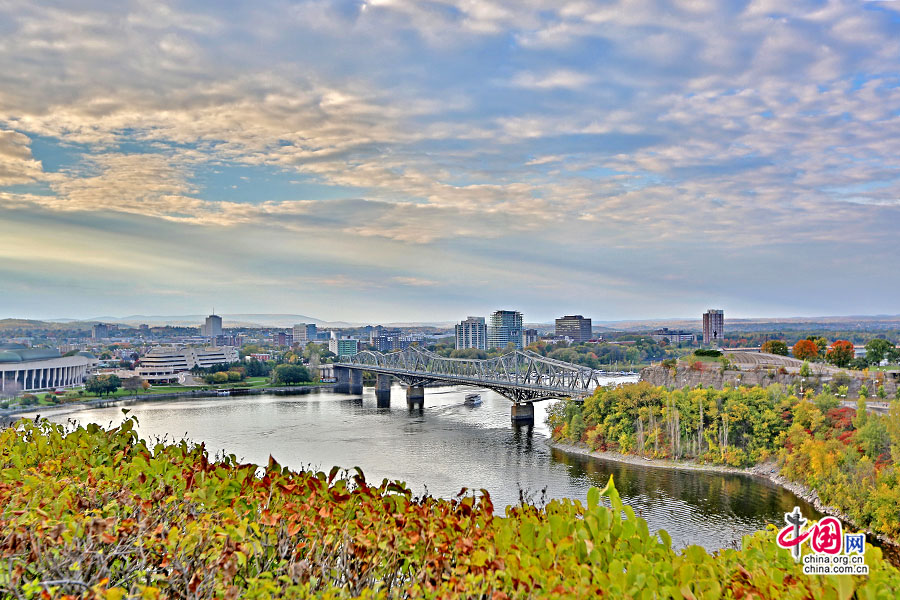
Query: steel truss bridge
(522, 376)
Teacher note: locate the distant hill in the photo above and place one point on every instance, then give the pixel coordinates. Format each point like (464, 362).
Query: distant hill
(28, 324)
(851, 322)
(848, 323)
(228, 320)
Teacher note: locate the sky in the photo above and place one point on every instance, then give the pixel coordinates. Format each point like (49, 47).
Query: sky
(390, 160)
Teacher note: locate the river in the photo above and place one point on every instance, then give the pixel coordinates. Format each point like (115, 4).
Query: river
(447, 446)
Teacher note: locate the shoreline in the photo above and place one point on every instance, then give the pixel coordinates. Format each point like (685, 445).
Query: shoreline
(768, 471)
(8, 417)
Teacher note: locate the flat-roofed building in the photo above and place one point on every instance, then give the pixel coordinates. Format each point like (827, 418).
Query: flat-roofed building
(164, 363)
(212, 327)
(471, 333)
(672, 335)
(505, 328)
(24, 369)
(343, 347)
(304, 333)
(531, 336)
(574, 327)
(713, 326)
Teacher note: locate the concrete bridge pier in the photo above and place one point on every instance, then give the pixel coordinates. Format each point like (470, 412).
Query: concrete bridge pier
(522, 413)
(356, 385)
(342, 383)
(415, 396)
(383, 390)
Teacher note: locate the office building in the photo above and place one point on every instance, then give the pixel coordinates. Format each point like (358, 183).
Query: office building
(25, 369)
(713, 326)
(100, 331)
(574, 327)
(164, 363)
(388, 340)
(531, 336)
(343, 347)
(505, 328)
(672, 335)
(471, 333)
(284, 338)
(304, 333)
(212, 327)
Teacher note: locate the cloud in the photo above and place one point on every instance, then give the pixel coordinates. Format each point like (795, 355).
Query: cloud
(563, 78)
(623, 126)
(17, 166)
(414, 281)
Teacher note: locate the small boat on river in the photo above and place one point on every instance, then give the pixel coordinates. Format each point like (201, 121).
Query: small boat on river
(473, 399)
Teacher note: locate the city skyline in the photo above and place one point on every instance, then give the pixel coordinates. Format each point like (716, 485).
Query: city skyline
(393, 160)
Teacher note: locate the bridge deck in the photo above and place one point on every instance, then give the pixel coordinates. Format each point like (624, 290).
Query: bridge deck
(521, 376)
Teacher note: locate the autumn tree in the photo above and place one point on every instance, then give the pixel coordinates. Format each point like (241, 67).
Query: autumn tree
(807, 349)
(775, 347)
(820, 342)
(840, 353)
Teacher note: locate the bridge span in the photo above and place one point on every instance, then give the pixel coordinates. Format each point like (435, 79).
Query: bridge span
(522, 376)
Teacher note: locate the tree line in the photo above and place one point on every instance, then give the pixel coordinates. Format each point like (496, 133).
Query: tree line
(847, 455)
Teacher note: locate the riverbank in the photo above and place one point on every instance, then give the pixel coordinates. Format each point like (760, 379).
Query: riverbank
(768, 471)
(8, 416)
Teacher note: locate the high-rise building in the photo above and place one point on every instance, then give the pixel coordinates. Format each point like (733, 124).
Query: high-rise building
(100, 331)
(713, 326)
(531, 336)
(574, 327)
(212, 327)
(505, 328)
(284, 338)
(471, 333)
(343, 347)
(304, 333)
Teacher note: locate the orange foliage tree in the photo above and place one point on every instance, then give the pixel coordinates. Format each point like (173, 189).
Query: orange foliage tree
(805, 350)
(840, 354)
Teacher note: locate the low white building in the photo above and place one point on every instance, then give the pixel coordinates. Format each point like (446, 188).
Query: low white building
(24, 369)
(166, 362)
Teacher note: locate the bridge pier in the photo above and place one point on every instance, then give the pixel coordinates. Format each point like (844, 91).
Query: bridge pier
(415, 396)
(522, 413)
(342, 377)
(356, 385)
(383, 389)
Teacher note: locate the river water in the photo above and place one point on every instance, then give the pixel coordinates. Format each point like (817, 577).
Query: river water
(447, 446)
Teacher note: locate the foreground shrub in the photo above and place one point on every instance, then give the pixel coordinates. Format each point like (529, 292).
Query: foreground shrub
(101, 513)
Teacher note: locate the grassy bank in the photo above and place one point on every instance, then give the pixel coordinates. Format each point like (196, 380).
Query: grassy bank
(99, 513)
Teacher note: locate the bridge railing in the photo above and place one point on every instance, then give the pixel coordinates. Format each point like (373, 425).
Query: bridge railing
(520, 367)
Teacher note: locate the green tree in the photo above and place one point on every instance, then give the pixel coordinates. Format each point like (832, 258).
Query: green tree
(877, 350)
(291, 374)
(804, 369)
(775, 347)
(860, 419)
(103, 385)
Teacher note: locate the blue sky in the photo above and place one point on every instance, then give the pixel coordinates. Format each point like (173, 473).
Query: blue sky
(426, 160)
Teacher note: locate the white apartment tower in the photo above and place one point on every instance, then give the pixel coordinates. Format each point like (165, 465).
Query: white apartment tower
(471, 333)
